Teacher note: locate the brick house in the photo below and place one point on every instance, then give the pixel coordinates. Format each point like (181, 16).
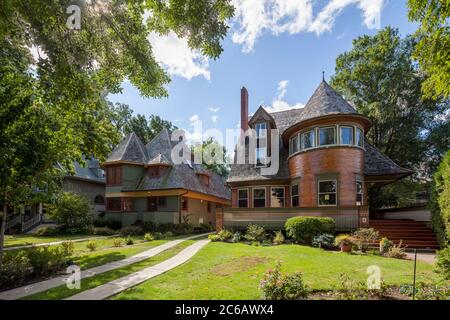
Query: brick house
(143, 183)
(325, 165)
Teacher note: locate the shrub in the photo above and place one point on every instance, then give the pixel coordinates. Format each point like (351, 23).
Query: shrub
(237, 236)
(225, 235)
(111, 224)
(440, 201)
(45, 259)
(158, 236)
(149, 226)
(149, 237)
(304, 229)
(343, 239)
(324, 240)
(92, 245)
(46, 232)
(203, 228)
(72, 213)
(396, 251)
(131, 231)
(214, 237)
(117, 242)
(15, 267)
(363, 237)
(442, 265)
(129, 241)
(67, 248)
(103, 231)
(165, 227)
(276, 286)
(279, 238)
(255, 233)
(168, 234)
(385, 245)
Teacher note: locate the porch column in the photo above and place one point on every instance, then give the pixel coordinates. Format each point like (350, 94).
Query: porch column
(40, 210)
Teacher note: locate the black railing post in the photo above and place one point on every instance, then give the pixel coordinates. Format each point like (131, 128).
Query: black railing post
(415, 269)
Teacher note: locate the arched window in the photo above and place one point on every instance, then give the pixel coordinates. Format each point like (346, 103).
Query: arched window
(99, 199)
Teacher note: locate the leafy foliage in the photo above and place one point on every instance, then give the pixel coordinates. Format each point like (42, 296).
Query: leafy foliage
(255, 233)
(443, 263)
(433, 47)
(214, 156)
(304, 229)
(324, 240)
(279, 238)
(363, 237)
(72, 213)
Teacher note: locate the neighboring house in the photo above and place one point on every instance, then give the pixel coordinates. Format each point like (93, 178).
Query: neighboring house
(326, 166)
(143, 184)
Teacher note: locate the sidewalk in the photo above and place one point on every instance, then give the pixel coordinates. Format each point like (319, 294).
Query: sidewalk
(114, 287)
(31, 289)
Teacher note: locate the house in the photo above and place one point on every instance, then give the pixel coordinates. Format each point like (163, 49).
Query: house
(144, 184)
(325, 165)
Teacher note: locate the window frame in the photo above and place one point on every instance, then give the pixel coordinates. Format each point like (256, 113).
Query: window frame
(334, 136)
(114, 175)
(359, 193)
(113, 209)
(256, 157)
(319, 193)
(258, 124)
(253, 197)
(358, 129)
(184, 204)
(246, 199)
(314, 139)
(340, 127)
(295, 196)
(164, 204)
(284, 197)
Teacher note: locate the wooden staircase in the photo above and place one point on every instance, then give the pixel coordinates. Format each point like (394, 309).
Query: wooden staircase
(413, 234)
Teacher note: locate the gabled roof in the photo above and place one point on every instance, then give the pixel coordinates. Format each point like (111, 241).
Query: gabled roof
(89, 171)
(261, 115)
(130, 149)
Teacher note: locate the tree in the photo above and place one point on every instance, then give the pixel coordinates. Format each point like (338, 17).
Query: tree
(55, 111)
(208, 149)
(379, 76)
(433, 47)
(72, 213)
(146, 130)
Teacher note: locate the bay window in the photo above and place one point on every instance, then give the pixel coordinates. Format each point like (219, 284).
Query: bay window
(327, 136)
(308, 140)
(359, 137)
(327, 193)
(346, 135)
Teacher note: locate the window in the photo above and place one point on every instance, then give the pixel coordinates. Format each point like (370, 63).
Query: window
(153, 172)
(114, 175)
(359, 137)
(127, 204)
(295, 195)
(327, 193)
(99, 199)
(113, 204)
(327, 136)
(277, 197)
(204, 179)
(295, 144)
(259, 198)
(152, 204)
(261, 156)
(359, 193)
(208, 206)
(243, 198)
(308, 140)
(184, 203)
(346, 135)
(162, 202)
(261, 130)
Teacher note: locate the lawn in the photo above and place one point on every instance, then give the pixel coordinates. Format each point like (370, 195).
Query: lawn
(233, 271)
(24, 239)
(62, 292)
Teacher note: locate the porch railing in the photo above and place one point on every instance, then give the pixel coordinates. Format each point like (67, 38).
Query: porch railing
(13, 222)
(31, 223)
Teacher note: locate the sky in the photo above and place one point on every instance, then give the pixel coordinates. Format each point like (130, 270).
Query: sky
(277, 49)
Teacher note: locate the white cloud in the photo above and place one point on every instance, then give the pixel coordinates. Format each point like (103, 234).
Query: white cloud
(253, 18)
(214, 119)
(278, 104)
(214, 109)
(175, 54)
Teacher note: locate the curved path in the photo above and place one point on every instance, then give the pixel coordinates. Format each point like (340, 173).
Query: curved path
(37, 287)
(114, 287)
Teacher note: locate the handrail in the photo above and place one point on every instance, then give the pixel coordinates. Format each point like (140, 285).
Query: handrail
(30, 223)
(13, 222)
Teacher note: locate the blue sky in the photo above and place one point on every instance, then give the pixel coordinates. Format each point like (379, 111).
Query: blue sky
(278, 57)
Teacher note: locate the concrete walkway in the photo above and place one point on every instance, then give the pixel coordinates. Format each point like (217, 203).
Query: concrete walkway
(37, 287)
(114, 287)
(44, 244)
(424, 257)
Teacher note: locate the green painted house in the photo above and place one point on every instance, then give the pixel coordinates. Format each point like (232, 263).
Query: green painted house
(144, 184)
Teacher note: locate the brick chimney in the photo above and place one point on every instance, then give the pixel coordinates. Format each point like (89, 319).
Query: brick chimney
(244, 109)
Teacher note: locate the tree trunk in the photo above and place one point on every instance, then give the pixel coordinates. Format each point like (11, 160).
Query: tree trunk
(2, 232)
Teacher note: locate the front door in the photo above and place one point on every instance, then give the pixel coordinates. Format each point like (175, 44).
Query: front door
(152, 204)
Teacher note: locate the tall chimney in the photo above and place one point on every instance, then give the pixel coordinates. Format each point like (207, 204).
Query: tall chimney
(244, 109)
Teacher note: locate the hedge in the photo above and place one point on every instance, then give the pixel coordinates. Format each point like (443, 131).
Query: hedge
(304, 229)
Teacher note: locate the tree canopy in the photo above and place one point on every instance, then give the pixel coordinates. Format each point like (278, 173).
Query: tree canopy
(433, 47)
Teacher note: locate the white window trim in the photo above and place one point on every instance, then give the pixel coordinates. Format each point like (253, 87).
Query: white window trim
(237, 196)
(315, 138)
(318, 193)
(253, 197)
(318, 136)
(362, 137)
(284, 196)
(339, 135)
(298, 195)
(362, 193)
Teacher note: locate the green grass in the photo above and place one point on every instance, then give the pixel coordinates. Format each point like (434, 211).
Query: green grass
(62, 292)
(233, 271)
(24, 239)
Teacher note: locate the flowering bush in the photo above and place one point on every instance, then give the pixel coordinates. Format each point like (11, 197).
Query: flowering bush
(276, 286)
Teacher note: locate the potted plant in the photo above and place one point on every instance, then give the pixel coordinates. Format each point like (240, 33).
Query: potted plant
(345, 242)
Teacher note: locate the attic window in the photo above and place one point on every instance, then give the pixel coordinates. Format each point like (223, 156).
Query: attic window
(204, 178)
(153, 171)
(261, 129)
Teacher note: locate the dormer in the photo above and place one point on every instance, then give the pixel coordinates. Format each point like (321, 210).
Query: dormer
(262, 122)
(157, 166)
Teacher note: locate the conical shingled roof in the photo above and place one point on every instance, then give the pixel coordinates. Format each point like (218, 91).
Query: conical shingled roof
(159, 159)
(130, 149)
(326, 101)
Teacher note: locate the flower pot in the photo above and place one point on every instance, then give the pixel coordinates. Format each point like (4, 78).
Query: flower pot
(346, 247)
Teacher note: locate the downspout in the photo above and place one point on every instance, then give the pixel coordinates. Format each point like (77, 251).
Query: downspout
(179, 205)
